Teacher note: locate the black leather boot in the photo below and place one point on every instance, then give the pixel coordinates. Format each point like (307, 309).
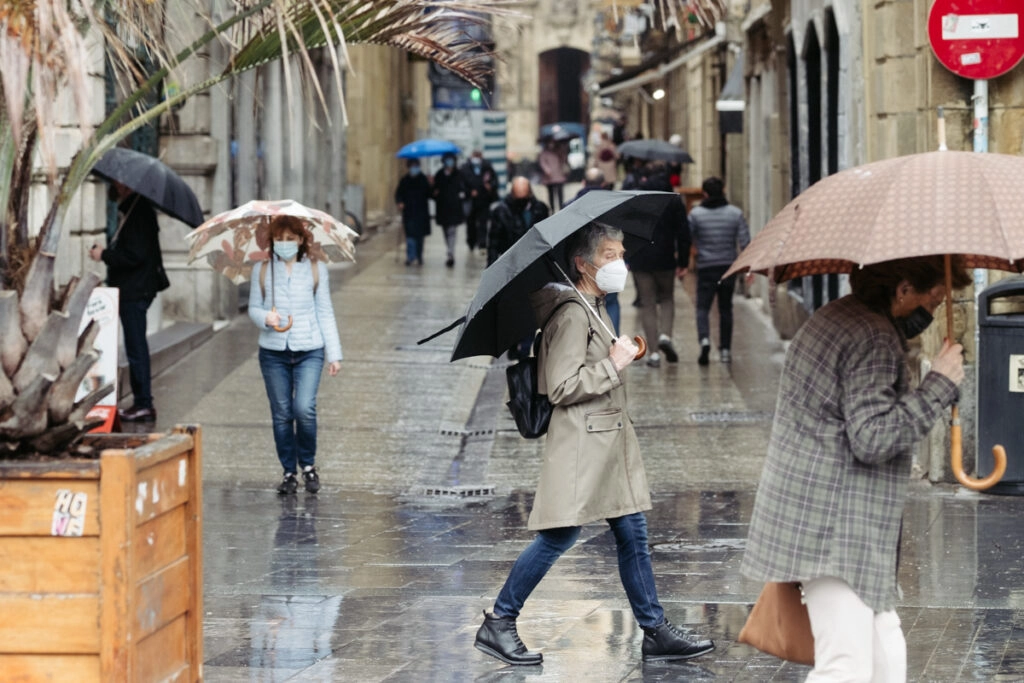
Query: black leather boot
(666, 642)
(498, 638)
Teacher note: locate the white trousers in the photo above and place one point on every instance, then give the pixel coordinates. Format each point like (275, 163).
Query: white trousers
(851, 642)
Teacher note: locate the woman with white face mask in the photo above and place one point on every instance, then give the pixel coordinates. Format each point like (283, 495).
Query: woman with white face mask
(290, 302)
(592, 467)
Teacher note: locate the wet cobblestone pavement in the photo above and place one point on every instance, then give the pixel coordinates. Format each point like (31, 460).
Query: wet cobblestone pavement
(383, 575)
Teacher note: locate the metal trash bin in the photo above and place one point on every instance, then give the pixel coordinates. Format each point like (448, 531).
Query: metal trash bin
(1001, 381)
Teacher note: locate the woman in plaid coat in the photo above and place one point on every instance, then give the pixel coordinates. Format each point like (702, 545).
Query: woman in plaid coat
(831, 496)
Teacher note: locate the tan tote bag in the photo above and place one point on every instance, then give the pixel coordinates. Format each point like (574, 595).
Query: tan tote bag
(778, 624)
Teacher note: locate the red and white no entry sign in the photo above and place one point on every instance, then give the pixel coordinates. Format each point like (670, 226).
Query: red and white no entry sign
(977, 39)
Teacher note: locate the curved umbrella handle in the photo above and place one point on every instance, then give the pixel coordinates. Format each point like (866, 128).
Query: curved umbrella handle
(281, 328)
(641, 345)
(957, 464)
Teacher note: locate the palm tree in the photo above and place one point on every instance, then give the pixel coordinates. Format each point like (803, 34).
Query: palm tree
(43, 52)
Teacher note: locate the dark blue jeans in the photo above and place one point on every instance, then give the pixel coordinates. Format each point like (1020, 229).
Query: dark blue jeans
(413, 249)
(709, 286)
(292, 379)
(634, 568)
(133, 320)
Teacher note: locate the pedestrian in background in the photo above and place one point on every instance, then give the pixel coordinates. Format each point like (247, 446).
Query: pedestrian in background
(482, 189)
(413, 199)
(592, 467)
(830, 502)
(135, 266)
(294, 288)
(594, 179)
(606, 160)
(719, 232)
(510, 219)
(449, 193)
(552, 161)
(655, 267)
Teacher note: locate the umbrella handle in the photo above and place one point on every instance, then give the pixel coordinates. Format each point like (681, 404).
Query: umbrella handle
(957, 464)
(641, 345)
(279, 328)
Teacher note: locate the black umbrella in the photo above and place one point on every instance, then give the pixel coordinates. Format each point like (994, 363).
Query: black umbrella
(655, 150)
(154, 180)
(500, 313)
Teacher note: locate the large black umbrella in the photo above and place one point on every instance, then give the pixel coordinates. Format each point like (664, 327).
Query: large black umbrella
(500, 313)
(655, 150)
(154, 180)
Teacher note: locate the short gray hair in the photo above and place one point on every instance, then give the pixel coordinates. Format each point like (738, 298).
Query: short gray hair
(585, 243)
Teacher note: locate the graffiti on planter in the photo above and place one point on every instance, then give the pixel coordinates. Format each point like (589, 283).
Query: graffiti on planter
(69, 513)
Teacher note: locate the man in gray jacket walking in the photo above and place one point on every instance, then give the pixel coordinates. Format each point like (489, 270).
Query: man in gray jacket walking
(719, 232)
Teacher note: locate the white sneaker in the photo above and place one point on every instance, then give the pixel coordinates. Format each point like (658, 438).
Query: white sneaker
(654, 360)
(725, 356)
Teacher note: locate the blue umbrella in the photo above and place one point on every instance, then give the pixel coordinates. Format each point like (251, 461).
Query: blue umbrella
(427, 148)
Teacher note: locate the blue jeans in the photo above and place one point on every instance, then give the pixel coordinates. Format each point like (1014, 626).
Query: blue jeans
(413, 249)
(292, 379)
(133, 320)
(634, 568)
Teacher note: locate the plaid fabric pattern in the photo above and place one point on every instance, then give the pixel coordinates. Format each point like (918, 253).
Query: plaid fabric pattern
(835, 479)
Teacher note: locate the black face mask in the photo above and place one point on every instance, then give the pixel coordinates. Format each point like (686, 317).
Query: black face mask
(915, 323)
(520, 204)
(112, 194)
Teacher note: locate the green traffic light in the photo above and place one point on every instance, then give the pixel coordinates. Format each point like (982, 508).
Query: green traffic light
(474, 94)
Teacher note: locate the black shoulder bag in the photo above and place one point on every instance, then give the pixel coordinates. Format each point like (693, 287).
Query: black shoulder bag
(530, 409)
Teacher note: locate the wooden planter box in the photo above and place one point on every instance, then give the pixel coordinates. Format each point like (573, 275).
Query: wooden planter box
(101, 563)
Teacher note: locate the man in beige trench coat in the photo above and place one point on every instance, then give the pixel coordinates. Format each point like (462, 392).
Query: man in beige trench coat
(592, 467)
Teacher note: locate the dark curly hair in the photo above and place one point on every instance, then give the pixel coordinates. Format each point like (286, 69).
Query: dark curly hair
(875, 284)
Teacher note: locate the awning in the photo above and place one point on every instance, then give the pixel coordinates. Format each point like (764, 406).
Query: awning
(661, 70)
(732, 101)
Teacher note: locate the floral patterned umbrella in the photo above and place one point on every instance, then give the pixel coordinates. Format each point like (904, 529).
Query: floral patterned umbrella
(231, 242)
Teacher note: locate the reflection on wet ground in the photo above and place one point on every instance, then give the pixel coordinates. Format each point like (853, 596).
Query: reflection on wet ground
(383, 576)
(360, 586)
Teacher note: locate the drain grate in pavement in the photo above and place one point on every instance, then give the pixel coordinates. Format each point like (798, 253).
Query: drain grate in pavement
(731, 416)
(459, 491)
(460, 431)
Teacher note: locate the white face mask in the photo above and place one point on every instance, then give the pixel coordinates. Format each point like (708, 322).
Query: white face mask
(611, 277)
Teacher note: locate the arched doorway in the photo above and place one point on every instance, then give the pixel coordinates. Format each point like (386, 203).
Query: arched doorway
(560, 95)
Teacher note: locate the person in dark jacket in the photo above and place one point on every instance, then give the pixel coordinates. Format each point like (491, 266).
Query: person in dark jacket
(412, 197)
(720, 233)
(482, 189)
(135, 266)
(655, 268)
(595, 179)
(512, 217)
(449, 192)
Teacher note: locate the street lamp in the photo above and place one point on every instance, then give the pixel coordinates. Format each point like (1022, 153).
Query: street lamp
(658, 94)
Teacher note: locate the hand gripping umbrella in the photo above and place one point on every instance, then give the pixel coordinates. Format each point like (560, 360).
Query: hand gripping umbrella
(500, 313)
(917, 205)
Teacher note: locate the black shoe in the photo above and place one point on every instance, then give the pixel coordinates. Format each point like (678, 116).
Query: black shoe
(705, 353)
(312, 479)
(666, 642)
(138, 414)
(450, 262)
(498, 638)
(665, 344)
(289, 484)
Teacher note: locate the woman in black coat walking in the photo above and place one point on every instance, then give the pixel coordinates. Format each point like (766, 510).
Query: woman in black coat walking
(449, 193)
(412, 197)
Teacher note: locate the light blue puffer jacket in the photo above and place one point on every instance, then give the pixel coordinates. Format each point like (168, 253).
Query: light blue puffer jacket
(313, 323)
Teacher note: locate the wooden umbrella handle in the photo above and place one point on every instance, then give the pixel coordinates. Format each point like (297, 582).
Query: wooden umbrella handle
(279, 328)
(957, 464)
(641, 345)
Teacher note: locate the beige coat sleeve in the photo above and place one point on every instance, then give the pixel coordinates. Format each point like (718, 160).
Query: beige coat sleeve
(574, 364)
